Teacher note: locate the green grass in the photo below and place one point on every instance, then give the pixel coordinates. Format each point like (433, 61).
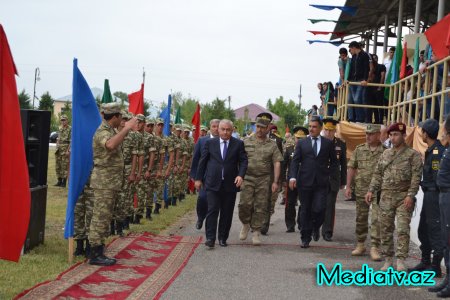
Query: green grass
(48, 260)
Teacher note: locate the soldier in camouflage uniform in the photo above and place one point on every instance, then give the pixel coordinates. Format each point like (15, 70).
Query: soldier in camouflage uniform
(154, 172)
(106, 178)
(397, 175)
(150, 124)
(62, 152)
(164, 166)
(254, 202)
(360, 169)
(82, 220)
(180, 160)
(189, 153)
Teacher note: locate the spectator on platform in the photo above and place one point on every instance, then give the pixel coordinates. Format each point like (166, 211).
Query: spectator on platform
(375, 95)
(388, 60)
(342, 62)
(329, 98)
(359, 72)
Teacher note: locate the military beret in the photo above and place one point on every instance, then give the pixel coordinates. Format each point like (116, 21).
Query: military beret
(111, 108)
(140, 117)
(430, 126)
(373, 128)
(400, 127)
(263, 119)
(330, 123)
(63, 117)
(300, 131)
(273, 127)
(159, 121)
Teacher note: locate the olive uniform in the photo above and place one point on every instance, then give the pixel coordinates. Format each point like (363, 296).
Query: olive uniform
(61, 154)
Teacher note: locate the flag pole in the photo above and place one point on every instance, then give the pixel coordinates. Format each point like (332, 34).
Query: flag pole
(71, 250)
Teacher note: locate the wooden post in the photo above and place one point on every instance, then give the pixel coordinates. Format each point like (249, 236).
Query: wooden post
(71, 250)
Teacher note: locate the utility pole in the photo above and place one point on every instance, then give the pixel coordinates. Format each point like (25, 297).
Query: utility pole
(37, 74)
(300, 99)
(229, 101)
(143, 75)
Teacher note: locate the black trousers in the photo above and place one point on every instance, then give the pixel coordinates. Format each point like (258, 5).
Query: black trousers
(289, 210)
(429, 231)
(312, 213)
(374, 97)
(330, 211)
(444, 205)
(222, 203)
(202, 205)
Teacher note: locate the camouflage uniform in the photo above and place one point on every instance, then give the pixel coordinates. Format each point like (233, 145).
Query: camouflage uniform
(189, 152)
(143, 187)
(83, 213)
(106, 182)
(254, 203)
(63, 144)
(364, 161)
(397, 175)
(180, 147)
(168, 147)
(156, 184)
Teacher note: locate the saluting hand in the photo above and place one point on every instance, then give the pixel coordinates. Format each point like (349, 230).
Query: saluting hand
(130, 124)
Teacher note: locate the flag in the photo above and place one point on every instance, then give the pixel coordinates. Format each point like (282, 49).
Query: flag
(178, 116)
(165, 115)
(404, 62)
(14, 181)
(136, 101)
(417, 56)
(85, 121)
(347, 68)
(334, 43)
(336, 33)
(107, 97)
(196, 122)
(396, 61)
(351, 10)
(438, 36)
(342, 23)
(287, 129)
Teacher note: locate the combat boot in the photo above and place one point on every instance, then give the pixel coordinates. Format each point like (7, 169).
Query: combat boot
(244, 232)
(98, 258)
(103, 253)
(166, 204)
(436, 266)
(137, 219)
(112, 228)
(425, 263)
(174, 201)
(126, 223)
(359, 250)
(375, 254)
(63, 182)
(387, 264)
(401, 267)
(148, 213)
(79, 251)
(119, 228)
(256, 238)
(87, 250)
(441, 285)
(59, 182)
(157, 207)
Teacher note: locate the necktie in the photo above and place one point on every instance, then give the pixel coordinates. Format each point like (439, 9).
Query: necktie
(225, 149)
(315, 146)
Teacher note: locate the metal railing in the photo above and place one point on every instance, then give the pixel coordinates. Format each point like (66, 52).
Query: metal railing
(411, 99)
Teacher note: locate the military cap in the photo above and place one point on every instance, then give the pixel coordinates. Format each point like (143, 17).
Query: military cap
(111, 108)
(400, 127)
(430, 126)
(125, 115)
(140, 117)
(177, 127)
(263, 119)
(186, 128)
(330, 123)
(300, 131)
(149, 121)
(171, 124)
(159, 121)
(373, 128)
(131, 114)
(204, 128)
(63, 117)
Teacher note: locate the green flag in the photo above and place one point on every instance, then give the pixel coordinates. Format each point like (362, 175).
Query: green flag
(327, 96)
(416, 56)
(107, 97)
(178, 116)
(394, 68)
(347, 68)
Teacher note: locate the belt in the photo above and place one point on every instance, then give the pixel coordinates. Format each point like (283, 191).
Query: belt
(444, 189)
(429, 189)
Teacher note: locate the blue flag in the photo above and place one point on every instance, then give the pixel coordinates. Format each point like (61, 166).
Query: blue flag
(165, 114)
(85, 121)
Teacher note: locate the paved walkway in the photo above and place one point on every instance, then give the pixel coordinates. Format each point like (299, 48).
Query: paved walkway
(278, 269)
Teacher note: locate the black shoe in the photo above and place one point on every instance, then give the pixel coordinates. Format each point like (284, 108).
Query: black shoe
(137, 219)
(87, 249)
(315, 235)
(421, 266)
(112, 228)
(79, 251)
(59, 182)
(290, 230)
(436, 266)
(119, 228)
(264, 232)
(63, 182)
(98, 258)
(148, 213)
(157, 207)
(327, 237)
(223, 243)
(174, 201)
(166, 205)
(444, 293)
(126, 223)
(304, 245)
(209, 244)
(199, 225)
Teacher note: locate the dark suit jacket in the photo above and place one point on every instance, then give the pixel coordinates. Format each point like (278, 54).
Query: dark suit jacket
(197, 154)
(211, 164)
(309, 170)
(338, 175)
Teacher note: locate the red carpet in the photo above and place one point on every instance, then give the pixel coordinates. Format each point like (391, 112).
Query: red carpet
(146, 265)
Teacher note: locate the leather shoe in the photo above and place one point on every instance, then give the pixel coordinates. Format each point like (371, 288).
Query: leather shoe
(223, 243)
(315, 234)
(327, 237)
(209, 243)
(291, 230)
(304, 245)
(199, 225)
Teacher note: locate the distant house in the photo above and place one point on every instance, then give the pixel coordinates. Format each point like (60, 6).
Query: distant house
(58, 104)
(251, 111)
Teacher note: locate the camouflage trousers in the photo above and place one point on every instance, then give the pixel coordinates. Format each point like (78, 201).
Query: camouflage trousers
(102, 214)
(143, 195)
(124, 203)
(362, 222)
(391, 206)
(156, 186)
(254, 201)
(83, 214)
(61, 161)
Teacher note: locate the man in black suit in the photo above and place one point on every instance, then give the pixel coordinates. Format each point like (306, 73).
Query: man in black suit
(202, 203)
(221, 169)
(313, 159)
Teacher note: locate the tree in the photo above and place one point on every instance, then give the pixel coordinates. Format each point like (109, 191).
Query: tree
(290, 112)
(24, 100)
(46, 102)
(122, 96)
(217, 110)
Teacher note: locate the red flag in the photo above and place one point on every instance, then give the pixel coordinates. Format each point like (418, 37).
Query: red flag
(438, 36)
(287, 129)
(404, 62)
(196, 122)
(14, 182)
(136, 101)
